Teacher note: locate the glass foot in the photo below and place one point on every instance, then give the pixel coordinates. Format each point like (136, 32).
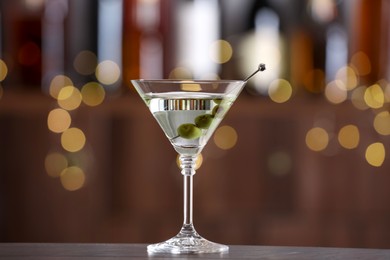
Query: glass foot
(187, 244)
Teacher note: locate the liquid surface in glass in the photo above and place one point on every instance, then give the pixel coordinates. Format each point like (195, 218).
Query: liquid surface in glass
(188, 119)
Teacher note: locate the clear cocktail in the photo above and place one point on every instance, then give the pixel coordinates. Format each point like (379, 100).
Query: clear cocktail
(188, 113)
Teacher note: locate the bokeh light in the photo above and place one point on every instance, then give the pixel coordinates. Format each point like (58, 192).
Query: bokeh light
(180, 73)
(34, 4)
(57, 83)
(348, 77)
(72, 178)
(221, 51)
(107, 72)
(58, 120)
(349, 136)
(85, 62)
(374, 96)
(69, 98)
(3, 70)
(375, 154)
(190, 86)
(335, 92)
(93, 94)
(55, 163)
(361, 63)
(317, 139)
(280, 90)
(225, 137)
(279, 163)
(198, 163)
(357, 98)
(382, 123)
(322, 10)
(386, 86)
(73, 139)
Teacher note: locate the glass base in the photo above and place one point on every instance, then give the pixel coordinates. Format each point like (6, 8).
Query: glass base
(184, 243)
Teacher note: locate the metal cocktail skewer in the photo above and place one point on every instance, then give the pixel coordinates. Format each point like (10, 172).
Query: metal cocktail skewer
(260, 68)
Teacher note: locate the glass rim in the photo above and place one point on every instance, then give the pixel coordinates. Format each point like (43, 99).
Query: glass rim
(189, 81)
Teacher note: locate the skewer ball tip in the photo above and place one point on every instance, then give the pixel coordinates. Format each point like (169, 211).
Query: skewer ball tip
(262, 67)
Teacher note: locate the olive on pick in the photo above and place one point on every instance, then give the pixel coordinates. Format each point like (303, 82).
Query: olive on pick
(204, 121)
(189, 131)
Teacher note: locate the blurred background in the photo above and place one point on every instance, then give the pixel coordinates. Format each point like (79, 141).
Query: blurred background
(302, 158)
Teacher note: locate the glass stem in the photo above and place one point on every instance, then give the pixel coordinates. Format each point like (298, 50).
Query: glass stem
(188, 199)
(187, 163)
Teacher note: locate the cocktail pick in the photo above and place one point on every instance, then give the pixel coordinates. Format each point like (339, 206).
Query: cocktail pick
(260, 68)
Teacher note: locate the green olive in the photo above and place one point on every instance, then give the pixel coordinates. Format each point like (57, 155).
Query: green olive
(204, 121)
(217, 100)
(189, 131)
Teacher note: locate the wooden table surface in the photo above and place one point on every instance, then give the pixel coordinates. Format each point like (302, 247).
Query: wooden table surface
(59, 251)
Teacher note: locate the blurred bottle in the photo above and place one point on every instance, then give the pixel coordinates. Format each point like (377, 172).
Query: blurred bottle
(265, 42)
(318, 43)
(198, 39)
(131, 42)
(21, 42)
(148, 39)
(369, 32)
(42, 38)
(53, 41)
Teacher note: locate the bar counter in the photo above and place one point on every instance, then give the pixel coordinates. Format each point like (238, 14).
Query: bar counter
(62, 251)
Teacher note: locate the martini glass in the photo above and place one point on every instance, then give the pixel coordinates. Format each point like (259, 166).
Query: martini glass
(188, 112)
